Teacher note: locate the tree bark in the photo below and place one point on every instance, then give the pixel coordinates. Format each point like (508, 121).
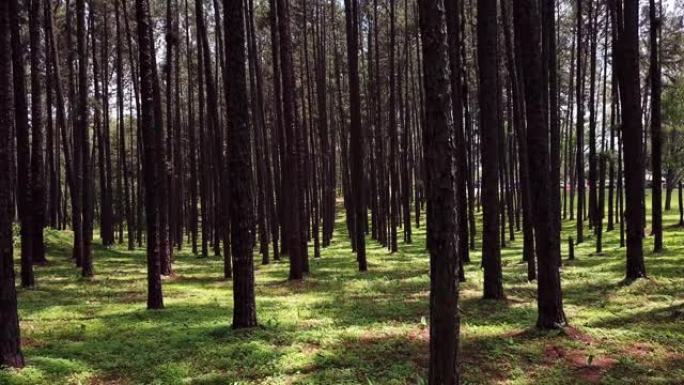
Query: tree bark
(239, 167)
(656, 156)
(442, 238)
(23, 183)
(489, 128)
(10, 341)
(356, 132)
(549, 297)
(151, 127)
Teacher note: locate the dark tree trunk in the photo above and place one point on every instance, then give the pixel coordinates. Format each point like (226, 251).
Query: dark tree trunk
(442, 241)
(442, 238)
(151, 127)
(603, 154)
(23, 183)
(192, 150)
(37, 134)
(656, 161)
(489, 128)
(579, 154)
(166, 154)
(593, 170)
(52, 139)
(628, 73)
(123, 159)
(277, 136)
(85, 177)
(392, 132)
(549, 21)
(239, 166)
(76, 186)
(261, 153)
(549, 297)
(454, 39)
(107, 205)
(356, 132)
(296, 223)
(10, 341)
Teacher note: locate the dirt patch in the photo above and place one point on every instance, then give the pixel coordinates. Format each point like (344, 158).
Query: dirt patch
(588, 367)
(640, 350)
(578, 335)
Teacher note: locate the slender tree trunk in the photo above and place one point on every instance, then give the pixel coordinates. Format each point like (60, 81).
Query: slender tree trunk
(579, 157)
(656, 161)
(37, 136)
(593, 162)
(392, 132)
(84, 138)
(356, 131)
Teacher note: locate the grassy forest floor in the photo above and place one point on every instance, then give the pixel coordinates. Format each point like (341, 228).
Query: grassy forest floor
(343, 327)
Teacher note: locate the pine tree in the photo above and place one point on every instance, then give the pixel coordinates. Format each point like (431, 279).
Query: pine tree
(442, 237)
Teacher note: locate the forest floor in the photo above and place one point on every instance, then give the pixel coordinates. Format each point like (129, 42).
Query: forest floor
(339, 326)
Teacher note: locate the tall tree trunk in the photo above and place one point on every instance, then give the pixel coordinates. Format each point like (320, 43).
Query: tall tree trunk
(579, 157)
(296, 223)
(37, 135)
(392, 132)
(192, 141)
(454, 39)
(356, 132)
(593, 163)
(239, 166)
(489, 128)
(549, 297)
(10, 341)
(23, 184)
(628, 72)
(442, 238)
(84, 138)
(166, 154)
(656, 161)
(151, 127)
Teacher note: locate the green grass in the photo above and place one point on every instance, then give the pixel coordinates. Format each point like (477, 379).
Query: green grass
(340, 326)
